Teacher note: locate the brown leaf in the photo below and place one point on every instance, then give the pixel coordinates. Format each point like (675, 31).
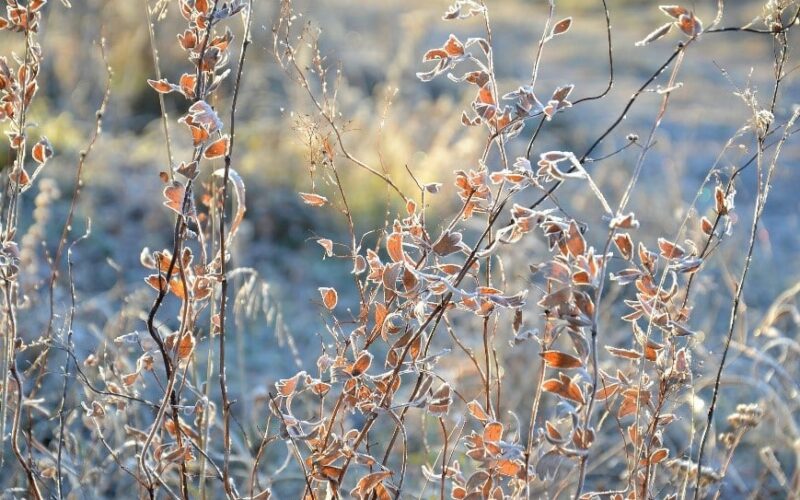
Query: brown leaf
(315, 200)
(175, 193)
(493, 432)
(670, 250)
(557, 359)
(575, 242)
(329, 297)
(327, 245)
(624, 244)
(720, 202)
(623, 353)
(690, 25)
(448, 243)
(286, 387)
(42, 151)
(186, 346)
(477, 411)
(366, 484)
(606, 391)
(454, 47)
(161, 86)
(156, 281)
(394, 245)
(675, 11)
(439, 403)
(361, 364)
(706, 226)
(562, 26)
(217, 148)
(658, 456)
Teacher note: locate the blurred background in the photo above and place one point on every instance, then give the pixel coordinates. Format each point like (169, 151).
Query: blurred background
(395, 119)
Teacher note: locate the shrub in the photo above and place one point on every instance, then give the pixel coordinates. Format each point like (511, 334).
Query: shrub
(458, 360)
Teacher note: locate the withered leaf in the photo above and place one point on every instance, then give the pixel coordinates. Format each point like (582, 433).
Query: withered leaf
(562, 26)
(42, 151)
(439, 403)
(675, 11)
(623, 353)
(361, 364)
(394, 245)
(670, 250)
(654, 35)
(558, 359)
(217, 148)
(175, 193)
(448, 243)
(327, 245)
(624, 244)
(706, 226)
(575, 242)
(329, 297)
(313, 199)
(477, 411)
(493, 432)
(161, 86)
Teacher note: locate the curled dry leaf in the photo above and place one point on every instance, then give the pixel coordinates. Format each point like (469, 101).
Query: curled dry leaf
(161, 86)
(329, 297)
(313, 199)
(217, 149)
(623, 353)
(558, 359)
(439, 403)
(175, 193)
(493, 432)
(369, 483)
(564, 387)
(327, 245)
(659, 32)
(42, 151)
(706, 226)
(675, 11)
(361, 364)
(562, 26)
(477, 411)
(394, 245)
(624, 244)
(186, 346)
(670, 250)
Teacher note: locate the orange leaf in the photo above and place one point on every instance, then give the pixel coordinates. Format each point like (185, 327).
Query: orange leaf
(477, 411)
(659, 455)
(575, 242)
(560, 360)
(315, 200)
(174, 194)
(186, 346)
(624, 244)
(329, 297)
(42, 151)
(562, 26)
(493, 432)
(217, 148)
(394, 245)
(161, 86)
(361, 364)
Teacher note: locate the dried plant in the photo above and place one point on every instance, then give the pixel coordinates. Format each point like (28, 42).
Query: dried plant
(435, 309)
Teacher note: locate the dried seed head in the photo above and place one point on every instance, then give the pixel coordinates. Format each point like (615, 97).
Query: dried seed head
(746, 416)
